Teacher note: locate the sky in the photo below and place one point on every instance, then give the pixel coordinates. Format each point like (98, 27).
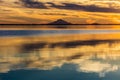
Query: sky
(46, 11)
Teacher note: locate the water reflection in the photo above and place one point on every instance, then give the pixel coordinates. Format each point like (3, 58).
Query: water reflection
(83, 56)
(68, 27)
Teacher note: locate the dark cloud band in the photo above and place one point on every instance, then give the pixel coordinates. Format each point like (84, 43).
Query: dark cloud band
(68, 6)
(90, 8)
(33, 4)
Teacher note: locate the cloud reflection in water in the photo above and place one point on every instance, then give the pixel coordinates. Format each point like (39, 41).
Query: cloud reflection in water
(89, 56)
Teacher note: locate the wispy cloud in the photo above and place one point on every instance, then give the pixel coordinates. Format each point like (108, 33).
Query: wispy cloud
(33, 4)
(75, 11)
(69, 6)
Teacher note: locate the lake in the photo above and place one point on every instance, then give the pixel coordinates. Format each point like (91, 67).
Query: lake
(82, 53)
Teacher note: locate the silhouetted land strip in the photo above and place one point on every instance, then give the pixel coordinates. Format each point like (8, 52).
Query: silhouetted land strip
(56, 24)
(60, 22)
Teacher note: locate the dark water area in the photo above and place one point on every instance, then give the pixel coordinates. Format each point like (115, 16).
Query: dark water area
(60, 54)
(52, 32)
(58, 27)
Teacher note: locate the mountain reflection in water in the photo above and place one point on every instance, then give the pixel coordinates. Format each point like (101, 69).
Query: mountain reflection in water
(68, 56)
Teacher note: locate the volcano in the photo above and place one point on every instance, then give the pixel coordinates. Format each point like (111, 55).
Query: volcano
(60, 22)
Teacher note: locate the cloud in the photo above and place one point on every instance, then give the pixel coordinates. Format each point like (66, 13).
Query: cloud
(90, 8)
(68, 6)
(62, 14)
(33, 4)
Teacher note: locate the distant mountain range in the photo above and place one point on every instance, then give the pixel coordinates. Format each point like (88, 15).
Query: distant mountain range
(60, 22)
(63, 22)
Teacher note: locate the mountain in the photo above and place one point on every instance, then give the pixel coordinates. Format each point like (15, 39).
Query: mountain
(60, 22)
(95, 23)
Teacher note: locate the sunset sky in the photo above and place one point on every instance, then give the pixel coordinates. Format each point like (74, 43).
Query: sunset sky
(46, 11)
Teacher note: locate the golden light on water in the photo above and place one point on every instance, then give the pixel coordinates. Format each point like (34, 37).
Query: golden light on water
(28, 51)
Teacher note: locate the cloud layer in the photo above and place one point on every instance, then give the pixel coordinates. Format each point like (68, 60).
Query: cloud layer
(68, 6)
(42, 11)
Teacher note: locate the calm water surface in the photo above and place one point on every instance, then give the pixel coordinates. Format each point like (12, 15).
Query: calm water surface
(60, 54)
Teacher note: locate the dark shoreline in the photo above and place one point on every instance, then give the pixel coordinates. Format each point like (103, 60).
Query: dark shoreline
(59, 24)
